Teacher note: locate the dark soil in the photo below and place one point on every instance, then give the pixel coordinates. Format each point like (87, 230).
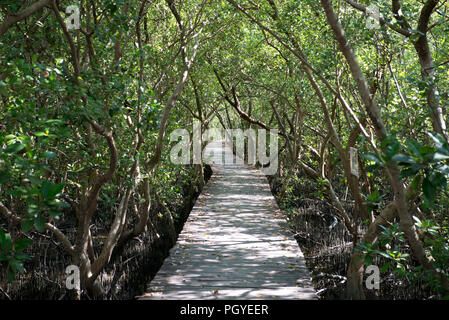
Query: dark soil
(323, 239)
(327, 245)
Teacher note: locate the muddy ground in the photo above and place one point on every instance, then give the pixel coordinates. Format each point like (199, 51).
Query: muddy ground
(327, 245)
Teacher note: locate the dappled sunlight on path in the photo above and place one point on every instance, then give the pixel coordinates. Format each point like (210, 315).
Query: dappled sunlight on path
(235, 244)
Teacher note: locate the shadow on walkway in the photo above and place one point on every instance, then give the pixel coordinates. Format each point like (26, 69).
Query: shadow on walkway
(234, 245)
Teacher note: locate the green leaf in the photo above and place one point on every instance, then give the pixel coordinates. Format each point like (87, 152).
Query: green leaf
(58, 203)
(33, 209)
(15, 147)
(50, 190)
(385, 267)
(427, 152)
(22, 256)
(413, 147)
(439, 142)
(3, 88)
(438, 180)
(2, 238)
(372, 157)
(39, 223)
(418, 221)
(444, 169)
(49, 155)
(412, 170)
(11, 275)
(35, 180)
(17, 265)
(368, 260)
(5, 241)
(438, 157)
(4, 176)
(428, 190)
(27, 225)
(402, 158)
(392, 148)
(55, 214)
(22, 244)
(383, 254)
(10, 137)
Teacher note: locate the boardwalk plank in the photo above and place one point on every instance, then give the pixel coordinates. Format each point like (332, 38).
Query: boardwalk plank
(234, 245)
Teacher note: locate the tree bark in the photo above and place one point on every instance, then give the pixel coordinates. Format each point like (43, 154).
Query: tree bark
(14, 18)
(406, 221)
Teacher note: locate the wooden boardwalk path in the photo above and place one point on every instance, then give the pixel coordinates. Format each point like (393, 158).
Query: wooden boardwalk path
(234, 245)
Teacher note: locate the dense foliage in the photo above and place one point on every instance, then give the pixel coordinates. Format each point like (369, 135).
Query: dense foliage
(85, 117)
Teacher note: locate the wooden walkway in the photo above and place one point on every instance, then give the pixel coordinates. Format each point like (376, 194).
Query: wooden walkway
(234, 245)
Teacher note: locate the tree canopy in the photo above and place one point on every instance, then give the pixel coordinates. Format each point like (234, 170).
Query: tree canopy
(86, 113)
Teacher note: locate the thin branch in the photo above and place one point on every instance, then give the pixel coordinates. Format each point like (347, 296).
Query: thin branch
(16, 17)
